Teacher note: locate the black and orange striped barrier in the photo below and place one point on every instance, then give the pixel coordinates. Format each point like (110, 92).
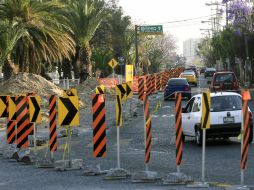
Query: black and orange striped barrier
(179, 131)
(11, 132)
(149, 85)
(22, 122)
(246, 129)
(148, 129)
(99, 125)
(11, 121)
(141, 88)
(164, 79)
(153, 84)
(52, 124)
(158, 81)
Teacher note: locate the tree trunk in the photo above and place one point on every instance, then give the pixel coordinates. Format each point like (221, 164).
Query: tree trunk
(85, 54)
(8, 69)
(44, 74)
(66, 67)
(76, 64)
(33, 66)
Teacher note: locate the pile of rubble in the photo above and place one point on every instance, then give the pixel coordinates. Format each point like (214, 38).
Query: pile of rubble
(23, 83)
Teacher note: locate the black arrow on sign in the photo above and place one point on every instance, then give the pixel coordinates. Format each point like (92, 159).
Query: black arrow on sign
(128, 89)
(72, 111)
(206, 111)
(36, 109)
(122, 90)
(4, 99)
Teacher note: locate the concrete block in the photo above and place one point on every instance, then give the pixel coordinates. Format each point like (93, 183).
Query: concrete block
(117, 173)
(93, 170)
(62, 165)
(76, 164)
(177, 178)
(10, 154)
(145, 176)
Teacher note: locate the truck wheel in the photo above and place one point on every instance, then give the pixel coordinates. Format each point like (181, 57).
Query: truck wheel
(198, 136)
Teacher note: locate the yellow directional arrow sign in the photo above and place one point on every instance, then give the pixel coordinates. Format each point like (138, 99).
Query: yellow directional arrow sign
(100, 89)
(121, 91)
(112, 63)
(35, 109)
(68, 111)
(12, 108)
(3, 106)
(206, 102)
(118, 111)
(129, 92)
(71, 92)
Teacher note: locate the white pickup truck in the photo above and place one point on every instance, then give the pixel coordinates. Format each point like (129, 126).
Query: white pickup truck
(225, 117)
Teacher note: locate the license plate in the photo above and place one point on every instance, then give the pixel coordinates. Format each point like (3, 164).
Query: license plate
(228, 119)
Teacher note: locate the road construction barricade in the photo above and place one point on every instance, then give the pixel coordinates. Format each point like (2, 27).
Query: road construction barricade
(158, 81)
(135, 84)
(108, 82)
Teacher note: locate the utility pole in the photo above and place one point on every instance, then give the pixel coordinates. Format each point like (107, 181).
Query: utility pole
(136, 47)
(226, 14)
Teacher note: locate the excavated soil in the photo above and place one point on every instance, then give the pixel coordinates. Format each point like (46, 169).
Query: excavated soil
(23, 83)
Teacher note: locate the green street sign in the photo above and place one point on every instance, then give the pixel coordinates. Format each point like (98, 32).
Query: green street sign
(150, 30)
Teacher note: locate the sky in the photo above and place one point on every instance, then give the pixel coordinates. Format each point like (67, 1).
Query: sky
(150, 12)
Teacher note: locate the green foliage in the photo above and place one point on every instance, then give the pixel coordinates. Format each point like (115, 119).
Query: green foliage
(114, 38)
(36, 33)
(45, 36)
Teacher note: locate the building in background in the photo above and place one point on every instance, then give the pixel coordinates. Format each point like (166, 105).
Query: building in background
(190, 52)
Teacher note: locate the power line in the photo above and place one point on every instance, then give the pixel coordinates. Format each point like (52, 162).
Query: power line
(186, 20)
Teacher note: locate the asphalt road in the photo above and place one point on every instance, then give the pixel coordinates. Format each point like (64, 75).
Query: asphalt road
(222, 161)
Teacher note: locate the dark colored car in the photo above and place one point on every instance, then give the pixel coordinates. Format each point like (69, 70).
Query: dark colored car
(177, 85)
(192, 69)
(202, 70)
(209, 72)
(225, 81)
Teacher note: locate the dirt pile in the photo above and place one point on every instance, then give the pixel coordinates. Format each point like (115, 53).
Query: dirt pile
(86, 89)
(24, 83)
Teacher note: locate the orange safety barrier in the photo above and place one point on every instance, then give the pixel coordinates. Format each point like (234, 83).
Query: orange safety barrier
(108, 82)
(163, 78)
(135, 84)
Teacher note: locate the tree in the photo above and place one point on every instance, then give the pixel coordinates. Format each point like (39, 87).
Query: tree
(46, 35)
(114, 38)
(159, 50)
(85, 17)
(9, 35)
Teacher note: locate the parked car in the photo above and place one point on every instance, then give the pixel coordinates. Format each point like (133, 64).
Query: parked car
(177, 85)
(225, 117)
(190, 76)
(226, 80)
(202, 70)
(209, 72)
(192, 69)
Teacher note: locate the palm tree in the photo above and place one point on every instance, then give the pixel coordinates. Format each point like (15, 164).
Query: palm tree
(46, 36)
(9, 35)
(85, 17)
